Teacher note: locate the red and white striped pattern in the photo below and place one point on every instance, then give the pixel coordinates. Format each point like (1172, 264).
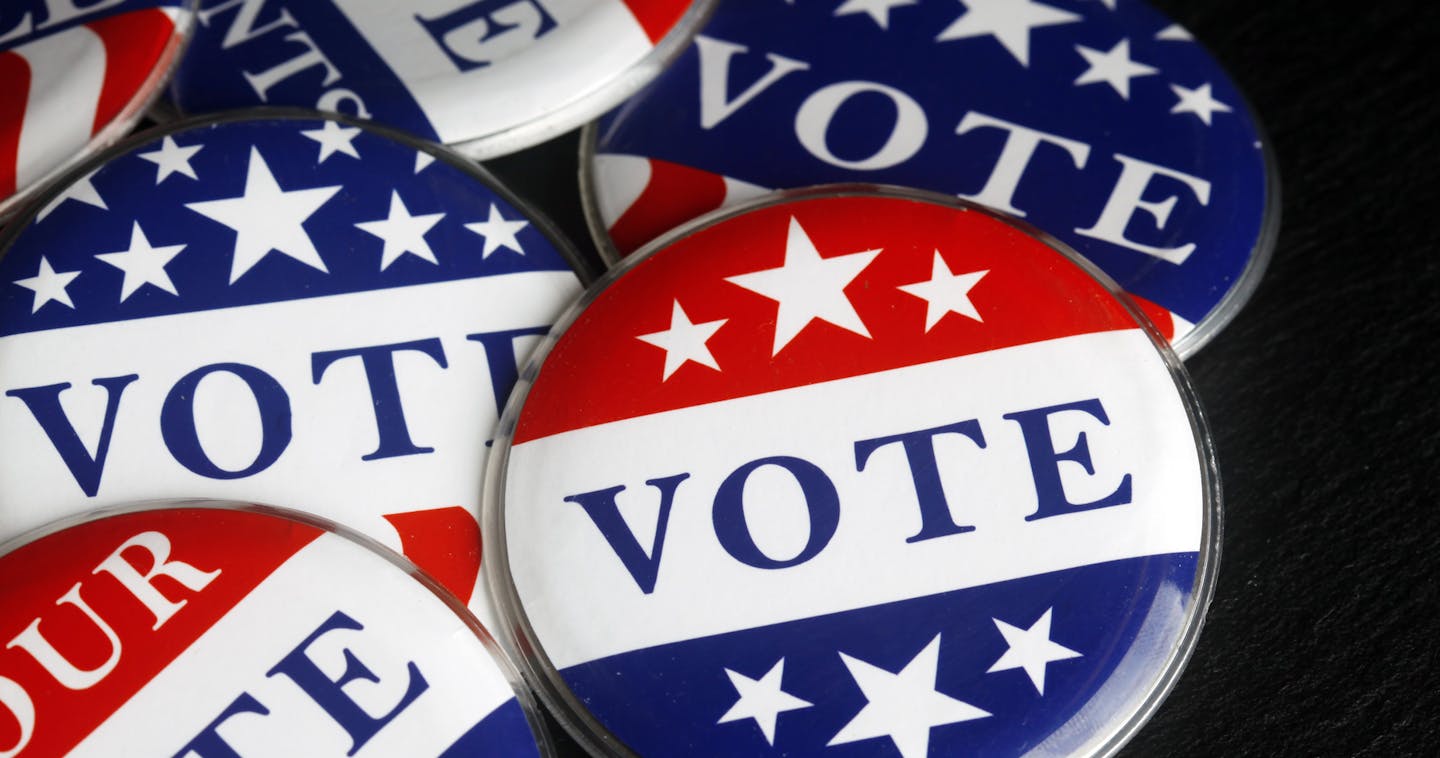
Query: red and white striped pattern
(641, 198)
(62, 90)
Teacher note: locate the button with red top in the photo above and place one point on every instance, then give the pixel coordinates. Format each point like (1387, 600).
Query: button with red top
(213, 630)
(847, 473)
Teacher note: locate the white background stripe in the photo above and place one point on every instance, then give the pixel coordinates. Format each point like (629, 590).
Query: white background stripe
(451, 410)
(584, 605)
(403, 623)
(593, 43)
(67, 73)
(621, 179)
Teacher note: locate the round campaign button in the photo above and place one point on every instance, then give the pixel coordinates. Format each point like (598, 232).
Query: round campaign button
(847, 473)
(76, 77)
(219, 631)
(273, 308)
(1102, 123)
(487, 77)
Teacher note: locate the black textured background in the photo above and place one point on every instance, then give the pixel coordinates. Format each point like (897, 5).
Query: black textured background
(1322, 395)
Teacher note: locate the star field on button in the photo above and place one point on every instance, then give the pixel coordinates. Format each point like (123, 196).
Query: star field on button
(1198, 101)
(267, 218)
(81, 191)
(402, 232)
(684, 342)
(762, 700)
(49, 285)
(498, 232)
(809, 288)
(903, 706)
(143, 264)
(172, 158)
(1031, 649)
(877, 10)
(1010, 22)
(1113, 67)
(334, 138)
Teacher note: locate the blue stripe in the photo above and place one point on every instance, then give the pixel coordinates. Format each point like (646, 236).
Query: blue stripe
(667, 700)
(74, 233)
(505, 732)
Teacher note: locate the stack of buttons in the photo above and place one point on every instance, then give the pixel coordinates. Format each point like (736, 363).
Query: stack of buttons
(816, 469)
(1104, 124)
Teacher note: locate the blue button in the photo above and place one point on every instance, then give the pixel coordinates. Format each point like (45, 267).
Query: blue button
(1102, 123)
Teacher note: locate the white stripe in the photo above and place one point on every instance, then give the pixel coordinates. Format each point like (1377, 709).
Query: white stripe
(1179, 326)
(592, 44)
(737, 192)
(620, 179)
(67, 73)
(449, 409)
(402, 622)
(584, 604)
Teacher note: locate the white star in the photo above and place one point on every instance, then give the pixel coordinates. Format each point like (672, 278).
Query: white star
(172, 159)
(762, 699)
(877, 9)
(1108, 4)
(423, 160)
(945, 292)
(1008, 21)
(1114, 67)
(498, 232)
(1198, 101)
(1030, 649)
(143, 264)
(903, 706)
(267, 218)
(1175, 33)
(49, 285)
(808, 287)
(82, 191)
(334, 138)
(402, 232)
(684, 341)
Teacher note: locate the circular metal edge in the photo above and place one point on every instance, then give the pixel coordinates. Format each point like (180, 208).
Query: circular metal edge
(590, 197)
(524, 696)
(596, 102)
(1240, 292)
(513, 625)
(16, 206)
(542, 222)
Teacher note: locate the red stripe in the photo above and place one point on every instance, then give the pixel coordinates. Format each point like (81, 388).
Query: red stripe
(599, 372)
(657, 17)
(134, 43)
(675, 194)
(14, 94)
(445, 543)
(1158, 315)
(246, 548)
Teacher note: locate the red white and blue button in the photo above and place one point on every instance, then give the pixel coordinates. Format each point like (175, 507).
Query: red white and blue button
(853, 473)
(283, 309)
(76, 77)
(1102, 123)
(487, 77)
(229, 632)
